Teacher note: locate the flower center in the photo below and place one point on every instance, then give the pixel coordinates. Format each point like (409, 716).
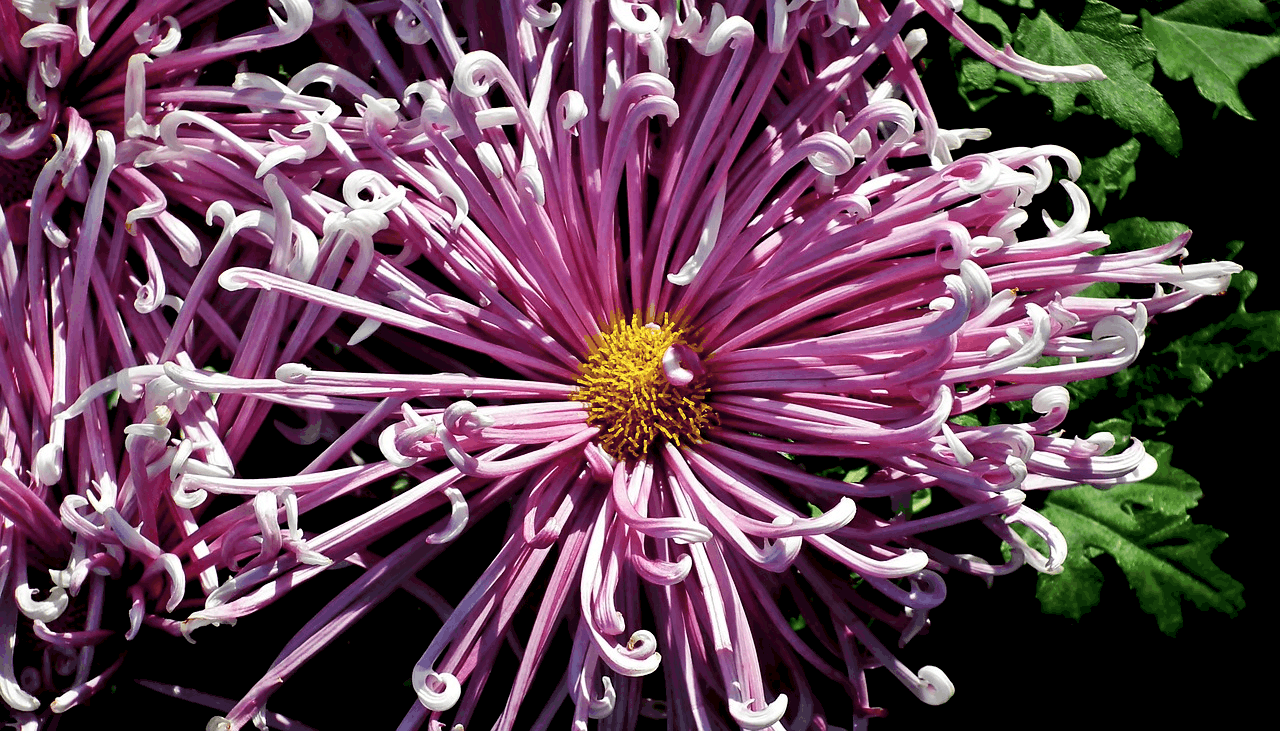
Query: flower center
(18, 177)
(643, 383)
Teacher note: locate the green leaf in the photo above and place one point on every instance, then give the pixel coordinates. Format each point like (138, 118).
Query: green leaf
(921, 499)
(1132, 234)
(1193, 43)
(401, 484)
(1126, 96)
(1111, 173)
(1217, 13)
(975, 13)
(1145, 527)
(858, 474)
(980, 83)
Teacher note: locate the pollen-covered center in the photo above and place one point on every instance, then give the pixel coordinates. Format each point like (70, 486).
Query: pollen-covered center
(643, 384)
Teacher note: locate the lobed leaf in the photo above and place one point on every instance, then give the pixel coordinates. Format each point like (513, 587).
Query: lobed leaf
(1145, 527)
(1191, 40)
(1111, 173)
(1123, 53)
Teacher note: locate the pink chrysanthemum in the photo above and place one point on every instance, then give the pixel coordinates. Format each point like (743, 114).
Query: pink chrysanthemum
(96, 254)
(634, 264)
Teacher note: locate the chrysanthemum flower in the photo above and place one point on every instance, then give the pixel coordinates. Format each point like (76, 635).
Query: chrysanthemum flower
(96, 255)
(629, 267)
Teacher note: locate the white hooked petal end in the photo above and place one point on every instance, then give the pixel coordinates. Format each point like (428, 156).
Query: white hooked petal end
(934, 687)
(1100, 443)
(383, 111)
(194, 622)
(18, 699)
(1005, 228)
(169, 42)
(1115, 326)
(180, 456)
(642, 652)
(292, 154)
(439, 691)
(293, 373)
(387, 445)
(48, 464)
(978, 284)
(915, 42)
(45, 610)
(571, 109)
(963, 456)
(1017, 472)
(779, 554)
(458, 516)
(531, 184)
(603, 706)
(844, 13)
(837, 517)
(736, 29)
(186, 500)
(1079, 219)
(475, 71)
(177, 580)
(861, 143)
(999, 346)
(680, 364)
(383, 196)
(539, 18)
(298, 17)
(942, 304)
(1140, 318)
(625, 15)
(461, 417)
(489, 159)
(1147, 467)
(676, 375)
(135, 98)
(408, 26)
(749, 719)
(362, 333)
(706, 242)
(834, 157)
(458, 456)
(1051, 398)
(436, 113)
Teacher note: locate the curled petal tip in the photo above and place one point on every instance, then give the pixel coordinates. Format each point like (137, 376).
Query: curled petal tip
(235, 278)
(449, 690)
(934, 687)
(603, 706)
(764, 718)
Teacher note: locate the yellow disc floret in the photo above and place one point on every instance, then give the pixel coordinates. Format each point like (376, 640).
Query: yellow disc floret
(629, 395)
